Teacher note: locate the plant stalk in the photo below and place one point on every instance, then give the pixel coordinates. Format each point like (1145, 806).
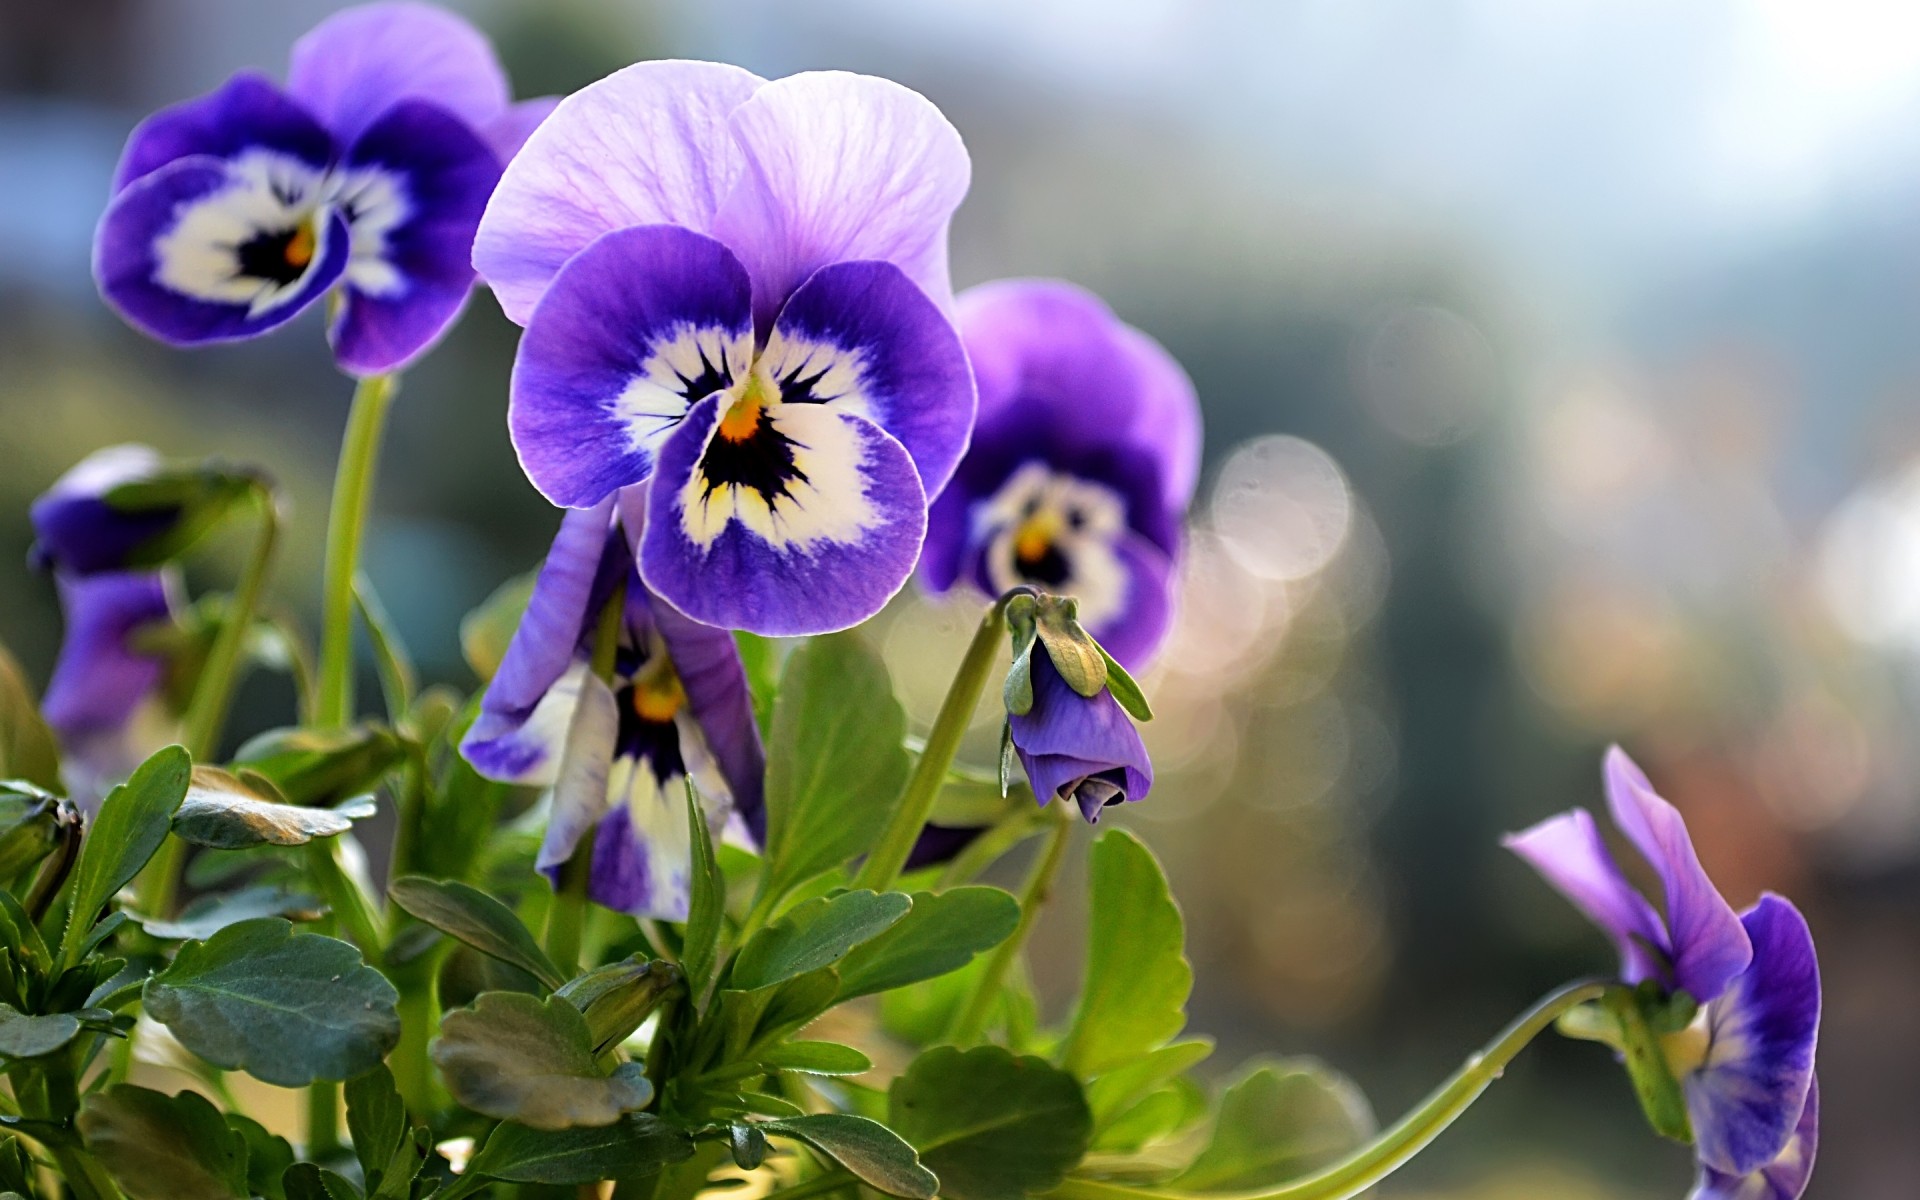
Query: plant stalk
(972, 1020)
(346, 523)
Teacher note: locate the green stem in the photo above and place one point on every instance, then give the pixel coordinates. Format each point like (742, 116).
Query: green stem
(213, 694)
(832, 1181)
(323, 1121)
(346, 522)
(943, 742)
(986, 993)
(1394, 1146)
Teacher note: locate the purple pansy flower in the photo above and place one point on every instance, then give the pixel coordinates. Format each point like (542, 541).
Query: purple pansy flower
(106, 701)
(1745, 1065)
(1078, 749)
(736, 294)
(367, 173)
(76, 532)
(1084, 457)
(617, 757)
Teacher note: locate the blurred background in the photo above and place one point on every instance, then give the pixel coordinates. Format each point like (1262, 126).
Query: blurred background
(1562, 386)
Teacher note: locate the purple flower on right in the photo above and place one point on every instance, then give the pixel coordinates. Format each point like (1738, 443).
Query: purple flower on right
(1086, 448)
(1745, 1064)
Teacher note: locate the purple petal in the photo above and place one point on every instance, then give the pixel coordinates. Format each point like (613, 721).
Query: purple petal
(1135, 629)
(647, 145)
(355, 65)
(861, 337)
(1709, 946)
(99, 679)
(643, 850)
(940, 844)
(77, 531)
(1785, 1178)
(505, 741)
(509, 131)
(1168, 420)
(636, 328)
(1568, 852)
(246, 113)
(414, 186)
(824, 550)
(708, 663)
(180, 253)
(841, 167)
(1747, 1099)
(1078, 749)
(580, 790)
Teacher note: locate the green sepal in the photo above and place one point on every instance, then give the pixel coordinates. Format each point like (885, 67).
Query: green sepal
(1078, 658)
(1125, 691)
(1023, 632)
(616, 998)
(1647, 1069)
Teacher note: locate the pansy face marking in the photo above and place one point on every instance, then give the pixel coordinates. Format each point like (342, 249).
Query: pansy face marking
(1055, 532)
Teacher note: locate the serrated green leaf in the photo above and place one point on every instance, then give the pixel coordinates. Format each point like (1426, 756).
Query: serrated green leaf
(707, 903)
(286, 1008)
(1126, 1085)
(304, 1181)
(941, 933)
(991, 1125)
(27, 748)
(210, 914)
(486, 631)
(815, 934)
(835, 758)
(634, 1146)
(469, 915)
(1163, 1113)
(878, 1156)
(161, 1147)
(225, 812)
(22, 1036)
(517, 1058)
(1279, 1121)
(376, 1121)
(268, 1156)
(131, 824)
(1133, 998)
(817, 1058)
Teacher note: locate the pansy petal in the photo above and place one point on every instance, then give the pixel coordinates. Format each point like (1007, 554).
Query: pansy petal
(1168, 420)
(1078, 748)
(99, 679)
(413, 188)
(77, 531)
(637, 327)
(247, 113)
(1050, 360)
(861, 337)
(1709, 945)
(1134, 630)
(643, 850)
(580, 793)
(708, 663)
(824, 547)
(1746, 1099)
(1785, 1178)
(939, 844)
(842, 167)
(204, 250)
(352, 67)
(647, 145)
(509, 131)
(1570, 855)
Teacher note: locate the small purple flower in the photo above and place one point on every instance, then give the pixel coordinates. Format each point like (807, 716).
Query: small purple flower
(1084, 457)
(1078, 749)
(617, 758)
(736, 293)
(106, 701)
(76, 532)
(367, 173)
(1745, 1065)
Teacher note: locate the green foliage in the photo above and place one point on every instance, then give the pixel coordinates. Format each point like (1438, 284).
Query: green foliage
(1134, 996)
(1277, 1122)
(224, 811)
(815, 934)
(469, 915)
(941, 933)
(835, 759)
(210, 914)
(517, 1058)
(874, 1154)
(616, 998)
(161, 1147)
(634, 1146)
(1119, 1091)
(286, 1008)
(991, 1125)
(486, 631)
(27, 749)
(196, 497)
(22, 1036)
(706, 905)
(817, 1058)
(132, 822)
(323, 767)
(390, 1151)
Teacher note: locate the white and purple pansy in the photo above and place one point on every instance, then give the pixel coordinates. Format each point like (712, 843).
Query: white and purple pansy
(1084, 458)
(365, 176)
(617, 756)
(1746, 1064)
(735, 296)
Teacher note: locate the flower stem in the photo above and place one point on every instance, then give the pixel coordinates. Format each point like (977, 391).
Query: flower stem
(346, 522)
(943, 742)
(1394, 1146)
(972, 1020)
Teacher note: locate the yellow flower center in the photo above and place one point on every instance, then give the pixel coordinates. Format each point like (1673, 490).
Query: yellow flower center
(1035, 536)
(300, 247)
(743, 416)
(658, 695)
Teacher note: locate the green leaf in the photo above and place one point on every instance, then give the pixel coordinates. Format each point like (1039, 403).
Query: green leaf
(1134, 995)
(1279, 1121)
(161, 1147)
(304, 1181)
(1121, 1088)
(1164, 1113)
(32, 825)
(707, 904)
(210, 914)
(131, 824)
(486, 631)
(1125, 690)
(517, 1058)
(268, 1156)
(288, 1009)
(835, 758)
(760, 659)
(941, 933)
(877, 1155)
(469, 915)
(815, 934)
(323, 767)
(398, 679)
(225, 812)
(27, 748)
(990, 1125)
(817, 1058)
(22, 1036)
(376, 1121)
(615, 999)
(195, 496)
(631, 1147)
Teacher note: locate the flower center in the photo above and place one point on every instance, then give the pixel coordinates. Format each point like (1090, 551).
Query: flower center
(1036, 553)
(281, 256)
(748, 450)
(745, 415)
(1686, 1049)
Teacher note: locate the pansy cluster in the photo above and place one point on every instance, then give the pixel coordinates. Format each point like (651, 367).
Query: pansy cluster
(746, 380)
